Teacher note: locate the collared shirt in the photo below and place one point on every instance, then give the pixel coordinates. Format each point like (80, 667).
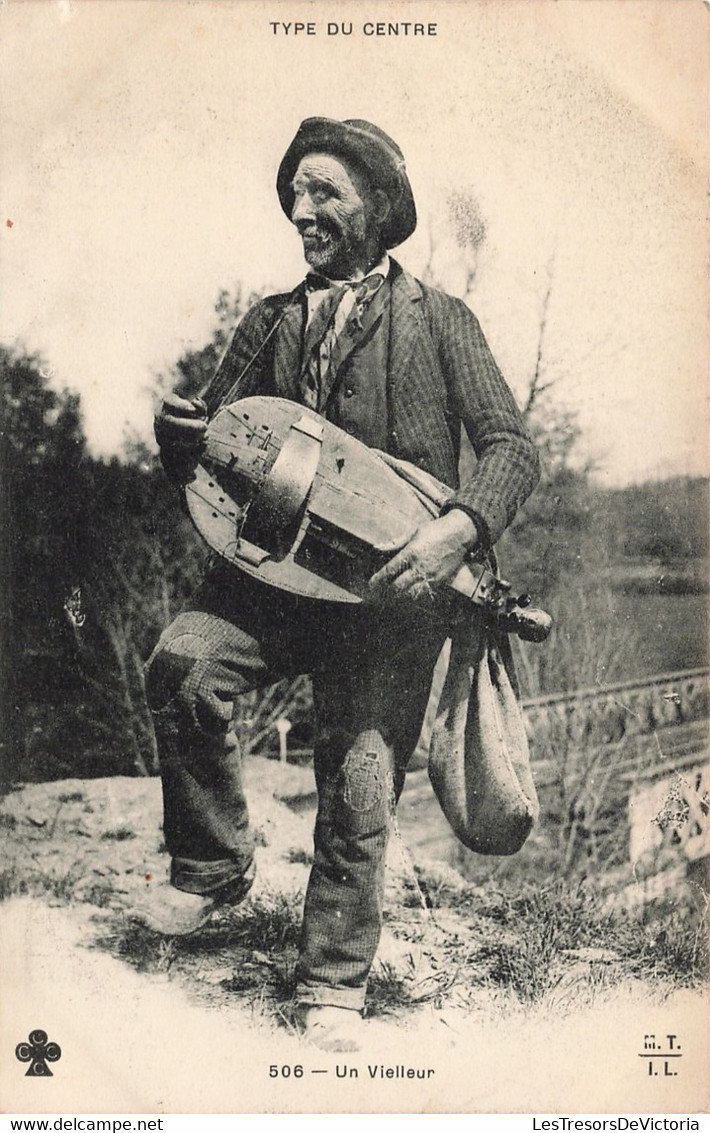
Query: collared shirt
(316, 297)
(339, 315)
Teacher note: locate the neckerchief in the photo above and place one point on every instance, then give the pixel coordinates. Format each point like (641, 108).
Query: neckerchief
(342, 319)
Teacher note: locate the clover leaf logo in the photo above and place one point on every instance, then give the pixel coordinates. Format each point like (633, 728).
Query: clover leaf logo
(38, 1052)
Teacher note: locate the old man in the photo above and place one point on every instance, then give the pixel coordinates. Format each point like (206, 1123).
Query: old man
(400, 366)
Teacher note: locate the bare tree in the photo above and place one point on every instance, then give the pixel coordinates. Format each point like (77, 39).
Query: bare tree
(455, 236)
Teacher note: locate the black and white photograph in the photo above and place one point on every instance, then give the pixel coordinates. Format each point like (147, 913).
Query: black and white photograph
(355, 469)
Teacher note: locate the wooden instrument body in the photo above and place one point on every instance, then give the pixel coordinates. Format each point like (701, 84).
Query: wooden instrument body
(294, 501)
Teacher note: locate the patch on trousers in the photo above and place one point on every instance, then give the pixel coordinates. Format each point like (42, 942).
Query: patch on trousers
(168, 670)
(363, 786)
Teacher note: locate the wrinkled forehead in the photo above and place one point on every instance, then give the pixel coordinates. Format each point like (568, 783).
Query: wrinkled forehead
(340, 171)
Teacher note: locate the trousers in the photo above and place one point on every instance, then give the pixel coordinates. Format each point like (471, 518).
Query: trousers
(371, 670)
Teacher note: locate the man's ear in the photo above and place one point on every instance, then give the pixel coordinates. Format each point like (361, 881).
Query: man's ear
(381, 206)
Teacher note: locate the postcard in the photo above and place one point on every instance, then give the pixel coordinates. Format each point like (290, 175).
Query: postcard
(469, 235)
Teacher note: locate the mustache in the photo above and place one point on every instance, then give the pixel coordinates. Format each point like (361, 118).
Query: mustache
(307, 228)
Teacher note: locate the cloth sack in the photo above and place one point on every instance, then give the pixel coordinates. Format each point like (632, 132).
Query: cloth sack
(479, 760)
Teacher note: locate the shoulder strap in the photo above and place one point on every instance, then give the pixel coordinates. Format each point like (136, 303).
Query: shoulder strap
(232, 393)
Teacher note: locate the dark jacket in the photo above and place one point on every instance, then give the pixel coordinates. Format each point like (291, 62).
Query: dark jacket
(440, 375)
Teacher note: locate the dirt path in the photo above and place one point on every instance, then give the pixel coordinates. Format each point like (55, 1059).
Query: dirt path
(196, 1028)
(136, 1042)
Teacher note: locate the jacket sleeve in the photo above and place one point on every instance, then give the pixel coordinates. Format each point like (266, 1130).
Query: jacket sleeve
(248, 359)
(507, 462)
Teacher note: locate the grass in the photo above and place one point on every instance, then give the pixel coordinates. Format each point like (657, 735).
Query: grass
(672, 631)
(248, 953)
(273, 923)
(526, 967)
(528, 941)
(389, 990)
(673, 948)
(500, 939)
(38, 883)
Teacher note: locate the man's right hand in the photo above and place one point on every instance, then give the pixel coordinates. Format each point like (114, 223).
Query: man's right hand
(180, 432)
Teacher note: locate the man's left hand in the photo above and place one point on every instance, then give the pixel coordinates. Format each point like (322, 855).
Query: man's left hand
(431, 558)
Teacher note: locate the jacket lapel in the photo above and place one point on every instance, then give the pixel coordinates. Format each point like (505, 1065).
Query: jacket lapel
(406, 330)
(406, 327)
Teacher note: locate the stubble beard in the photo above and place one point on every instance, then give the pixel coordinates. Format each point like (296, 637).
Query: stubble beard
(320, 250)
(335, 253)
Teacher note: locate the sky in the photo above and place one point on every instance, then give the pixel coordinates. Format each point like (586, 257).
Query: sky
(139, 150)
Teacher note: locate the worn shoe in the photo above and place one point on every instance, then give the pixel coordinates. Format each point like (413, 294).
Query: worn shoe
(173, 912)
(333, 1029)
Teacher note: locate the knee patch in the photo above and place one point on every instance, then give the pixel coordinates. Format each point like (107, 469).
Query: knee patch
(168, 669)
(362, 780)
(365, 792)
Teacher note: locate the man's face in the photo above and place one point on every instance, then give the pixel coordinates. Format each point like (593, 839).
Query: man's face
(336, 214)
